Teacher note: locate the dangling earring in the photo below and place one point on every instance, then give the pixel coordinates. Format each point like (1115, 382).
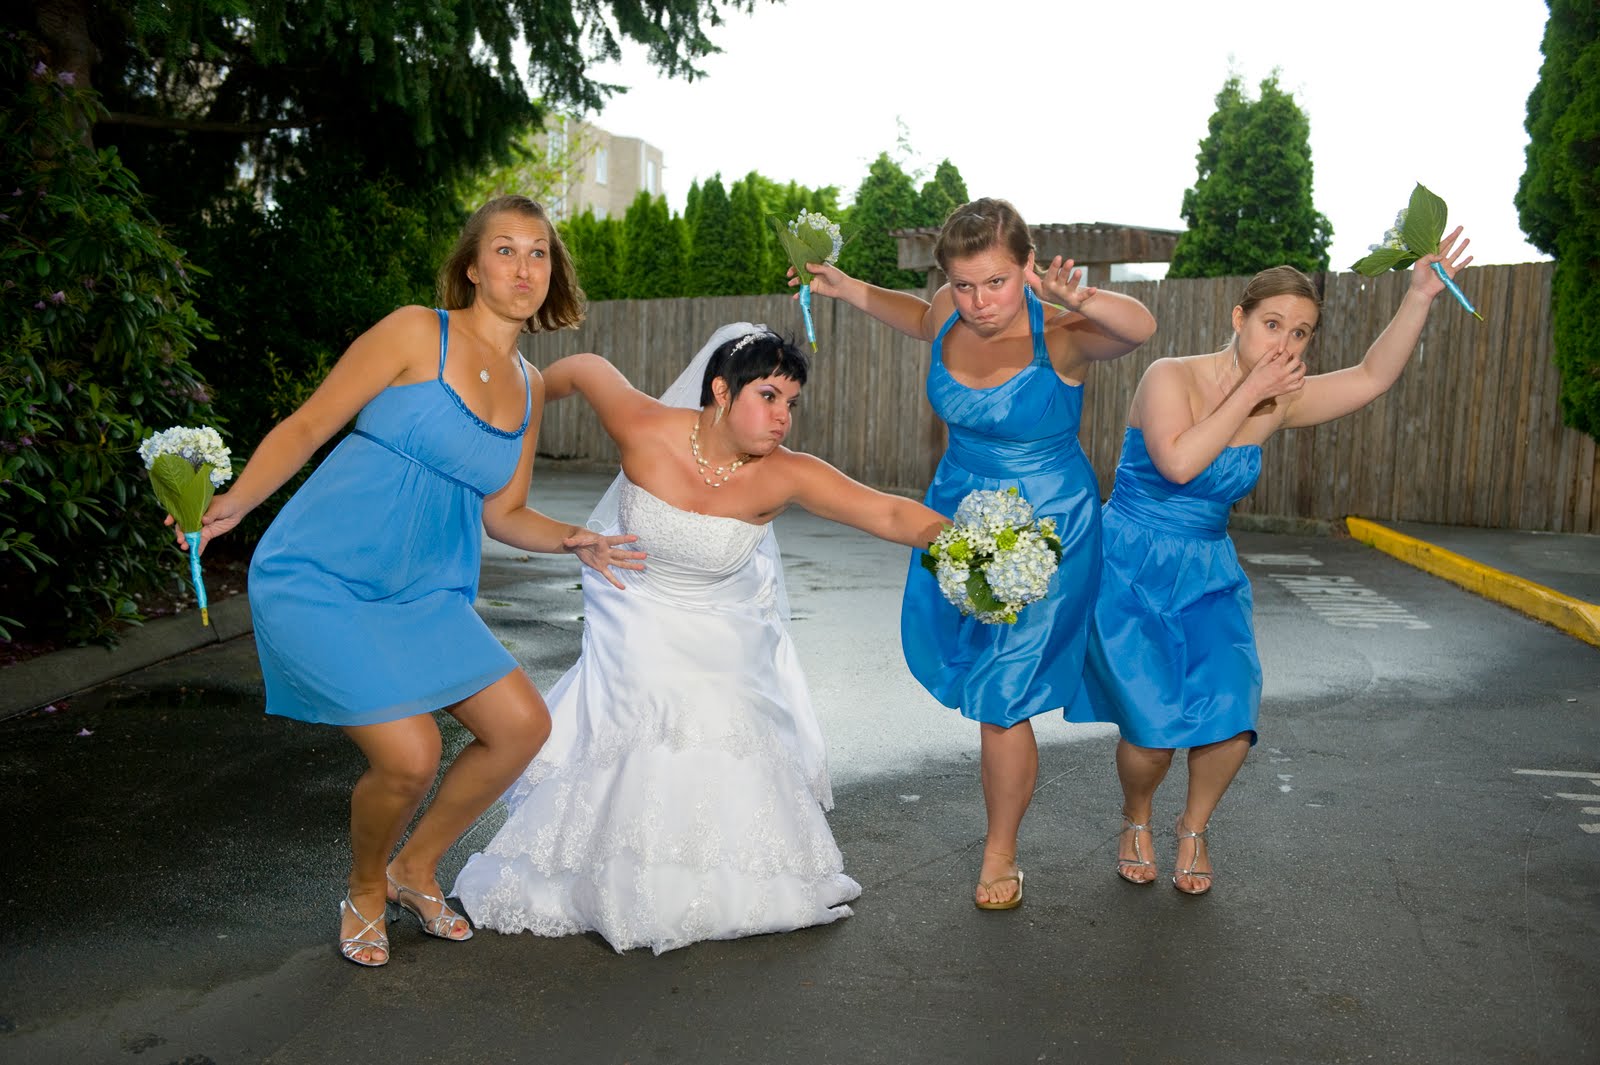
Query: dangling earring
(718, 417)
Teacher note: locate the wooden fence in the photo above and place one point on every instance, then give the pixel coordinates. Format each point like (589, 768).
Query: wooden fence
(1471, 434)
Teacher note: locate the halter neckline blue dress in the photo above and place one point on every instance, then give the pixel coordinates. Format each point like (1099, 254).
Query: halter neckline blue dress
(362, 588)
(1023, 434)
(1172, 655)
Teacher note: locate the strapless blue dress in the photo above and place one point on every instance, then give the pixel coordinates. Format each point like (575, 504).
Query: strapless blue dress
(1172, 653)
(362, 588)
(1021, 434)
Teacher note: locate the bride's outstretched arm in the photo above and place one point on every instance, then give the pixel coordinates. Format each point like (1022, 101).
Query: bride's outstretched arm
(828, 493)
(603, 386)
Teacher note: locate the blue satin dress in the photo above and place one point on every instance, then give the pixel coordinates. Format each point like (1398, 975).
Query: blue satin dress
(362, 588)
(1022, 434)
(1172, 655)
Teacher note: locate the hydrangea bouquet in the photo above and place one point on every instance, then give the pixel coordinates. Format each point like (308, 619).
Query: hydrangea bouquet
(810, 238)
(1415, 233)
(186, 466)
(997, 558)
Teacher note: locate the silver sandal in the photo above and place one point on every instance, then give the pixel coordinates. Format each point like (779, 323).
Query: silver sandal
(354, 945)
(1138, 861)
(439, 927)
(1191, 872)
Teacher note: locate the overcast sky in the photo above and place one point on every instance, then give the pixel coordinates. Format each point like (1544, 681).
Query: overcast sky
(1093, 112)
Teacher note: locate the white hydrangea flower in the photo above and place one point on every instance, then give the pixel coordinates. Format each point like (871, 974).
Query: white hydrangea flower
(195, 446)
(995, 534)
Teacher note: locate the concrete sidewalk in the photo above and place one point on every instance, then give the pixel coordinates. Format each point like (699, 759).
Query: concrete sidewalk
(1553, 577)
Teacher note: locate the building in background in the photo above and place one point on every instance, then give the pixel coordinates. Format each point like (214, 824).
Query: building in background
(602, 171)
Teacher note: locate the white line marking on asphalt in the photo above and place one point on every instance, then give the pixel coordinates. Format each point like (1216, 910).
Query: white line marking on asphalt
(1281, 560)
(1579, 796)
(1591, 809)
(1340, 601)
(1593, 778)
(1591, 829)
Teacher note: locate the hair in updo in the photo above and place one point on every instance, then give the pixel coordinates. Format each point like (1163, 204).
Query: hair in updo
(978, 226)
(1279, 281)
(757, 354)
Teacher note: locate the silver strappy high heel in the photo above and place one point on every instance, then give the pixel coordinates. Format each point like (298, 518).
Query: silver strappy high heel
(439, 927)
(1138, 861)
(1191, 872)
(351, 947)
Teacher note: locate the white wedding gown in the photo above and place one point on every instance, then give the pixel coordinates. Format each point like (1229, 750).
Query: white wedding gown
(680, 796)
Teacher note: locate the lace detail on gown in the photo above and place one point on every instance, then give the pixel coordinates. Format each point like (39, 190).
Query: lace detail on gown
(681, 794)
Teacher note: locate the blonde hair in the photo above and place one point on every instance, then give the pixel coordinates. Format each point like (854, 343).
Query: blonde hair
(980, 225)
(563, 304)
(1279, 281)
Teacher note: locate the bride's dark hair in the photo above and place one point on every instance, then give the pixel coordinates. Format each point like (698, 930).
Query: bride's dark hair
(750, 358)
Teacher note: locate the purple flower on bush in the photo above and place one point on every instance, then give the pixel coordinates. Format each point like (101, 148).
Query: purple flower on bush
(40, 70)
(39, 306)
(26, 441)
(16, 191)
(58, 298)
(67, 77)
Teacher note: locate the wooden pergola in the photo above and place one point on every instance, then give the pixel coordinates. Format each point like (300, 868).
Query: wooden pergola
(1095, 246)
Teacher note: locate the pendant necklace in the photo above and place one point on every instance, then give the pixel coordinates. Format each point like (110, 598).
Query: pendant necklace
(705, 468)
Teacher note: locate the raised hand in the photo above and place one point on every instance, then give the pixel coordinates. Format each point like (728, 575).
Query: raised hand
(1060, 283)
(600, 553)
(1424, 280)
(826, 280)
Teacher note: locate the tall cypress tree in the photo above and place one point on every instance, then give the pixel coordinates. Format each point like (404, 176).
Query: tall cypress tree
(712, 271)
(653, 254)
(1558, 199)
(886, 201)
(750, 240)
(941, 195)
(1250, 207)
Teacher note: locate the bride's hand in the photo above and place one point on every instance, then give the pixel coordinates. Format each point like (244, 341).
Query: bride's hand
(600, 553)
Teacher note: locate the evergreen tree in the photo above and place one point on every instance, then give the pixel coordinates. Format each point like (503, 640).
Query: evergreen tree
(1250, 207)
(596, 248)
(886, 201)
(751, 242)
(712, 270)
(653, 254)
(204, 94)
(1558, 199)
(691, 206)
(940, 196)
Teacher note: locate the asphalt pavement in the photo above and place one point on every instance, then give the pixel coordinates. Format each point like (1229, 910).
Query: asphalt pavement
(1407, 868)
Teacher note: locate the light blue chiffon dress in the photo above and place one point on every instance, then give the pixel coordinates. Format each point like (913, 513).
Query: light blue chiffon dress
(1022, 434)
(362, 589)
(1172, 656)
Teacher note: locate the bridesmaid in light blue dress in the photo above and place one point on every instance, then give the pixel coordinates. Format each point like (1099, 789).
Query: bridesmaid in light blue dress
(1007, 377)
(1172, 652)
(362, 589)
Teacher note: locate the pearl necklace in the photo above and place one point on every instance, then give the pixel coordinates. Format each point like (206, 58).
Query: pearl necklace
(704, 466)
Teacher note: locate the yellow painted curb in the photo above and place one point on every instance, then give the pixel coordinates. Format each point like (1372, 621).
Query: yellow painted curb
(1572, 616)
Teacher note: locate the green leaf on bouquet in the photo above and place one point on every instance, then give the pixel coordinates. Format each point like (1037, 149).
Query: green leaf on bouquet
(978, 591)
(1382, 260)
(183, 491)
(930, 563)
(1424, 225)
(809, 246)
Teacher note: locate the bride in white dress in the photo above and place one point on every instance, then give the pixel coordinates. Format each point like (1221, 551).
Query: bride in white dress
(680, 796)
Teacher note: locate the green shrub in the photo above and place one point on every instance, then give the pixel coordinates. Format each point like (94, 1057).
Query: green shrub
(97, 324)
(289, 285)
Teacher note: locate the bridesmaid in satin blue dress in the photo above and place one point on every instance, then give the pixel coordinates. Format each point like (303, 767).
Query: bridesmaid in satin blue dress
(362, 588)
(1007, 378)
(1172, 652)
